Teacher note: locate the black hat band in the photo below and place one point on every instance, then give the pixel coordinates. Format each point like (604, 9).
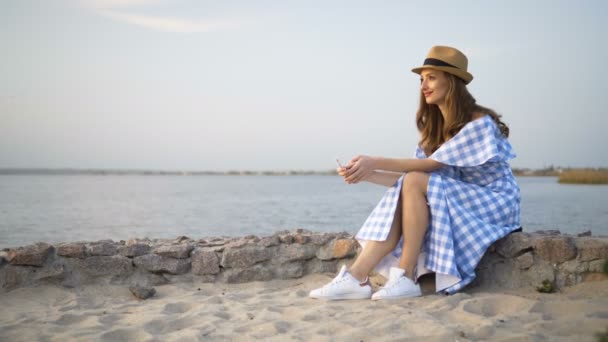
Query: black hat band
(437, 62)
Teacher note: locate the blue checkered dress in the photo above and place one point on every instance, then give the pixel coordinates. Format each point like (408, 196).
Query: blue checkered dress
(474, 200)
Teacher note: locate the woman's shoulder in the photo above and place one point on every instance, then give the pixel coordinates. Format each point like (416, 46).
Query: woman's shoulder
(477, 119)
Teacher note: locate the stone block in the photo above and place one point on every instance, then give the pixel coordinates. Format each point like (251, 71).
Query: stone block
(294, 252)
(31, 255)
(269, 241)
(321, 239)
(597, 266)
(72, 250)
(338, 249)
(240, 275)
(513, 244)
(555, 249)
(134, 249)
(103, 265)
(181, 251)
(244, 257)
(289, 270)
(525, 260)
(590, 248)
(102, 248)
(159, 264)
(205, 262)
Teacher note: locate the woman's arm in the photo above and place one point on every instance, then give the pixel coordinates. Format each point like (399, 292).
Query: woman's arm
(386, 178)
(406, 165)
(362, 167)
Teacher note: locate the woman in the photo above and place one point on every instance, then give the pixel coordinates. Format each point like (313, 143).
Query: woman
(444, 207)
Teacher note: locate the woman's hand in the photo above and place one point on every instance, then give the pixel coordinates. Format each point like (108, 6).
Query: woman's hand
(358, 169)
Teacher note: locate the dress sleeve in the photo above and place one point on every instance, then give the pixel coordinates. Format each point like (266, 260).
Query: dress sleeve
(478, 142)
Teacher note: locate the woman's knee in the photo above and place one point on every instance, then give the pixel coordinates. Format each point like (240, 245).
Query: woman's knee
(415, 181)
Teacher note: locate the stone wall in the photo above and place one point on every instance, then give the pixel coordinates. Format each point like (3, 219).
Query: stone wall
(519, 260)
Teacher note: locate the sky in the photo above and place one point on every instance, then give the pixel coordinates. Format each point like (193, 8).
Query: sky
(287, 85)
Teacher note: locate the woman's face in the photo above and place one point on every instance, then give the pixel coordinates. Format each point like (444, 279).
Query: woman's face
(434, 86)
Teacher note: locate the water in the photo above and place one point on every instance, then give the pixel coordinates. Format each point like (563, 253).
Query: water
(56, 208)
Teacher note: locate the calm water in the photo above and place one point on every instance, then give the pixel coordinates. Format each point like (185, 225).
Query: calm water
(86, 207)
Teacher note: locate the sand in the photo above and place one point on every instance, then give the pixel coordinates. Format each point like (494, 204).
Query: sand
(281, 311)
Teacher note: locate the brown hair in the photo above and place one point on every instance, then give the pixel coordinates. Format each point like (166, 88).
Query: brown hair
(435, 130)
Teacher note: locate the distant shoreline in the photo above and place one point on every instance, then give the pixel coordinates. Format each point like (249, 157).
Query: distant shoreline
(111, 172)
(546, 172)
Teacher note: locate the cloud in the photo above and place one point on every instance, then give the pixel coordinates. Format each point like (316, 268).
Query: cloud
(126, 11)
(169, 24)
(113, 4)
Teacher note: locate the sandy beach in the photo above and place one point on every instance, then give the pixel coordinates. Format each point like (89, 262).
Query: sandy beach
(280, 310)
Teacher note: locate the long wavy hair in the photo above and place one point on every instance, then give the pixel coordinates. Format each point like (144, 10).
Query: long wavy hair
(435, 130)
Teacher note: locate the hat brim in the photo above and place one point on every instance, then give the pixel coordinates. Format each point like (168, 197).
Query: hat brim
(465, 76)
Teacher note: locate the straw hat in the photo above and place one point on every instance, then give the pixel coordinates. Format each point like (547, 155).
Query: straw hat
(447, 59)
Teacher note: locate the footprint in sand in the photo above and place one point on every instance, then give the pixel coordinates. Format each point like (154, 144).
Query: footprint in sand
(214, 300)
(163, 326)
(110, 319)
(123, 335)
(176, 308)
(282, 326)
(497, 305)
(275, 309)
(222, 315)
(68, 319)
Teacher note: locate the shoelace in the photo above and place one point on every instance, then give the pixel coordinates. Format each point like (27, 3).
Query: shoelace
(336, 281)
(391, 282)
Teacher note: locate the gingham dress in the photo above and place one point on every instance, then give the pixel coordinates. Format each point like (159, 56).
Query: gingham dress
(473, 201)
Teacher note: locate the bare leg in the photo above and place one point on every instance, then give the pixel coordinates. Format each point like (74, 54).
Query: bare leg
(415, 219)
(374, 251)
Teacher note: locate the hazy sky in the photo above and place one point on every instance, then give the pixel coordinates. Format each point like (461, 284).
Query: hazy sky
(219, 85)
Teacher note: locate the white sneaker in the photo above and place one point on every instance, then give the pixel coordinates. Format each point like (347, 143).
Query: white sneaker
(398, 286)
(343, 286)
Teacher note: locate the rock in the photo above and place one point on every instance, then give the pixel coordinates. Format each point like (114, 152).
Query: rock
(321, 266)
(72, 250)
(255, 273)
(294, 252)
(104, 265)
(181, 239)
(286, 238)
(549, 232)
(237, 243)
(574, 266)
(160, 264)
(144, 278)
(244, 257)
(591, 248)
(269, 241)
(142, 292)
(174, 251)
(134, 249)
(303, 231)
(555, 249)
(102, 248)
(290, 270)
(597, 266)
(513, 244)
(338, 249)
(301, 239)
(31, 255)
(525, 260)
(12, 277)
(205, 262)
(321, 239)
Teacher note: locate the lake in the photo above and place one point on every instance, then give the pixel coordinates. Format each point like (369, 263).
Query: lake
(58, 208)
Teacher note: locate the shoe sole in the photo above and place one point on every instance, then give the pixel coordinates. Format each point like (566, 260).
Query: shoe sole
(398, 297)
(343, 297)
